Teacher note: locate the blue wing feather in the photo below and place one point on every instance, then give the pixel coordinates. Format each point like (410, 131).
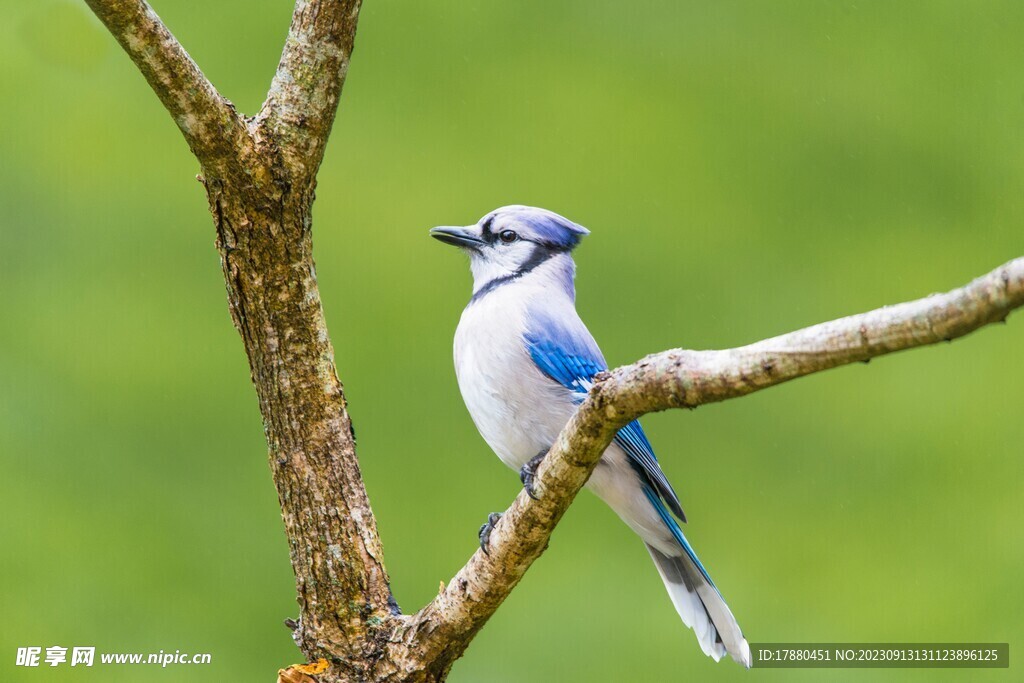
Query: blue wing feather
(570, 356)
(632, 439)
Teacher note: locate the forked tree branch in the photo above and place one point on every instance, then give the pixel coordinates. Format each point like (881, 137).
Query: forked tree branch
(260, 176)
(688, 379)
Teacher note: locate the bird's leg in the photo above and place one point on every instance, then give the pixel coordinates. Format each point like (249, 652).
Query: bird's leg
(529, 472)
(485, 532)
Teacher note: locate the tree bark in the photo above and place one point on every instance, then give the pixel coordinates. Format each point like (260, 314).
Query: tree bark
(342, 585)
(260, 177)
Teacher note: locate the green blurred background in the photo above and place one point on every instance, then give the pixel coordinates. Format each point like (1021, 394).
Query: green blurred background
(746, 168)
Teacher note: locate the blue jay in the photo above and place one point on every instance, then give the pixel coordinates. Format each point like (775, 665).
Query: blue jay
(525, 362)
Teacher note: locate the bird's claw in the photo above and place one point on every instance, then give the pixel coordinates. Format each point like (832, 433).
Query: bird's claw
(528, 473)
(485, 532)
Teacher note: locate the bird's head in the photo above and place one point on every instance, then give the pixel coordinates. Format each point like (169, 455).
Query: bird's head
(512, 241)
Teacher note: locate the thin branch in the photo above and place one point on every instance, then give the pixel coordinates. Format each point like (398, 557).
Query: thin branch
(303, 97)
(686, 379)
(215, 132)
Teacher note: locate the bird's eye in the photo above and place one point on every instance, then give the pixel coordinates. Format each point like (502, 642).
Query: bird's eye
(508, 236)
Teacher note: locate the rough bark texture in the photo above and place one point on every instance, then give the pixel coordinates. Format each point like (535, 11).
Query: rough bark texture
(272, 291)
(304, 94)
(260, 176)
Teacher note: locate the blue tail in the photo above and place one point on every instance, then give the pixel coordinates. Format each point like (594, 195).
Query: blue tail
(695, 596)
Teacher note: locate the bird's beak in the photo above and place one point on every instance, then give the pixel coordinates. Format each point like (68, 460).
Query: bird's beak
(459, 237)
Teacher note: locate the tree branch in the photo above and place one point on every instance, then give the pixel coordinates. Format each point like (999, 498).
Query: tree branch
(303, 97)
(684, 379)
(260, 180)
(214, 131)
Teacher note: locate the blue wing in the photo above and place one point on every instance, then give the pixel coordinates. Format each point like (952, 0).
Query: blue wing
(632, 439)
(568, 354)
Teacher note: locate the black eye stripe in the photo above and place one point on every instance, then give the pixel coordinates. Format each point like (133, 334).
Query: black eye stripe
(485, 229)
(488, 235)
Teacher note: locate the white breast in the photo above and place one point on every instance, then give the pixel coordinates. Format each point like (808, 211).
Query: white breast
(517, 410)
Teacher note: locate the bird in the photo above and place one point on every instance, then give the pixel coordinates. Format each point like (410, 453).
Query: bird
(524, 361)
